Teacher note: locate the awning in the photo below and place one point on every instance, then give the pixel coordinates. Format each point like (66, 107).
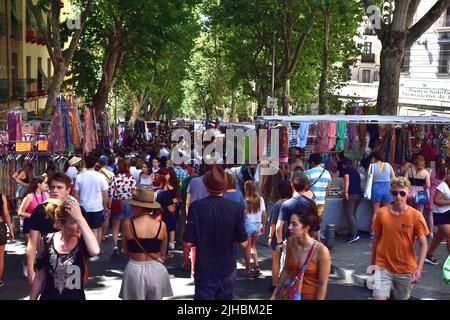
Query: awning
(359, 119)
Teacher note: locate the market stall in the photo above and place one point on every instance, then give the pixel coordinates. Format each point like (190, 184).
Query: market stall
(356, 137)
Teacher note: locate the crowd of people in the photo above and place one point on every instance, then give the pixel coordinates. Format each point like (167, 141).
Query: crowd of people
(213, 211)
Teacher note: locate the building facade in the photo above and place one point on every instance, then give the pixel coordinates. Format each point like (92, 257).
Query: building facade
(25, 66)
(425, 77)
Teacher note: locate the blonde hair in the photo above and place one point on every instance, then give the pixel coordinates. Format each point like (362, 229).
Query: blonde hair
(252, 198)
(55, 209)
(401, 182)
(420, 162)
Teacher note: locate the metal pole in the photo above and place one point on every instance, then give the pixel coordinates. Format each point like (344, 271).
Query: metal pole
(273, 73)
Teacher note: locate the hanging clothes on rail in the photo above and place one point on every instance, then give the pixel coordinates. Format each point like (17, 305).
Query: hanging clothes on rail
(68, 141)
(352, 132)
(362, 136)
(402, 146)
(14, 127)
(374, 134)
(303, 132)
(88, 131)
(284, 145)
(57, 141)
(322, 134)
(95, 125)
(341, 132)
(75, 121)
(331, 135)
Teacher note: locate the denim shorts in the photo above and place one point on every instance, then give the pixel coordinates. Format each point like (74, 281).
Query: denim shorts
(381, 192)
(126, 214)
(253, 228)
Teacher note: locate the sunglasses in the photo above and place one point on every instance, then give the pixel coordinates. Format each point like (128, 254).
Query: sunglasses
(396, 193)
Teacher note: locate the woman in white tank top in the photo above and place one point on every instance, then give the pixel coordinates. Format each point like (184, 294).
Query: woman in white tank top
(145, 179)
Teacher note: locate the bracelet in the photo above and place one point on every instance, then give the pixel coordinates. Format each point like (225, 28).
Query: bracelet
(280, 243)
(270, 237)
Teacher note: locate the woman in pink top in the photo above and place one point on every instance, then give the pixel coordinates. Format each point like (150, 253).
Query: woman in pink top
(35, 197)
(437, 175)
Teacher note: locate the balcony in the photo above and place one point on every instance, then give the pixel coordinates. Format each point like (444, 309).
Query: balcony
(368, 58)
(444, 24)
(19, 89)
(4, 94)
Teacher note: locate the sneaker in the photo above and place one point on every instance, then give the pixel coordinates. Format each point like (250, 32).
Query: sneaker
(248, 274)
(352, 239)
(116, 251)
(1, 283)
(431, 260)
(172, 245)
(93, 258)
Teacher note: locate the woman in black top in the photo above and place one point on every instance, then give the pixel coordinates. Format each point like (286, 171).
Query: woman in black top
(144, 244)
(62, 263)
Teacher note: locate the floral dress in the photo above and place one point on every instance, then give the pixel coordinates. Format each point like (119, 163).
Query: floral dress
(121, 188)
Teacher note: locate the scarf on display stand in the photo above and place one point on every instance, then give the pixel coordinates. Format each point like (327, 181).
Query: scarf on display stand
(88, 133)
(57, 141)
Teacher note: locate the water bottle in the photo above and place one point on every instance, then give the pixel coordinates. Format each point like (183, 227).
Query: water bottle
(330, 236)
(446, 270)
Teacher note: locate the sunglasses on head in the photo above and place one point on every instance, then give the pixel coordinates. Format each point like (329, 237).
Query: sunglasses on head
(396, 193)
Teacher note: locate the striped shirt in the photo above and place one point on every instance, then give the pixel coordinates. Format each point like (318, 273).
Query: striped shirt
(320, 187)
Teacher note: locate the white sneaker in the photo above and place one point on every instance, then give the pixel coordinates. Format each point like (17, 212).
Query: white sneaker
(172, 245)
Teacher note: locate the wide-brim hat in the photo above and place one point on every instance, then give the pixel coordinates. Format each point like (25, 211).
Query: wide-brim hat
(74, 160)
(216, 180)
(144, 198)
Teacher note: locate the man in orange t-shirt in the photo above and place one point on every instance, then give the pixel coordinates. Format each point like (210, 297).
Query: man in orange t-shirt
(396, 228)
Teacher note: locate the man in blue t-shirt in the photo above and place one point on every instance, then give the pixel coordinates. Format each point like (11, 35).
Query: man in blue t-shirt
(214, 226)
(352, 197)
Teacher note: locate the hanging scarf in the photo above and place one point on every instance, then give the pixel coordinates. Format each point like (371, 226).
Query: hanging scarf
(76, 123)
(57, 141)
(341, 131)
(67, 126)
(88, 134)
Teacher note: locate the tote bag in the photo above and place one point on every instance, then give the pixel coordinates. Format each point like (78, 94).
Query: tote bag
(369, 183)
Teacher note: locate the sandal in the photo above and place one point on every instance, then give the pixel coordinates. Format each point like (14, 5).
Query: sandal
(257, 271)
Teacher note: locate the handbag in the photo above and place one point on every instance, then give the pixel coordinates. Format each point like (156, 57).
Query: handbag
(369, 183)
(117, 207)
(446, 270)
(292, 289)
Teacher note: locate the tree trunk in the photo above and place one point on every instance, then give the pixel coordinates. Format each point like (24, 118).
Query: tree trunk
(287, 100)
(55, 88)
(137, 105)
(392, 54)
(323, 108)
(112, 63)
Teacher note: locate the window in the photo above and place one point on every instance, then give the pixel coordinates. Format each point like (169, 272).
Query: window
(367, 47)
(28, 68)
(444, 58)
(406, 61)
(366, 76)
(40, 75)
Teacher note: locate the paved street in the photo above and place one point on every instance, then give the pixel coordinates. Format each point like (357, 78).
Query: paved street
(105, 276)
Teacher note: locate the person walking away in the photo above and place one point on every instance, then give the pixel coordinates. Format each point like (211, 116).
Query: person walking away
(320, 181)
(103, 162)
(64, 253)
(383, 173)
(214, 226)
(34, 198)
(419, 178)
(308, 263)
(196, 191)
(285, 193)
(172, 185)
(41, 224)
(441, 217)
(91, 188)
(352, 197)
(255, 219)
(437, 176)
(144, 244)
(396, 228)
(5, 221)
(121, 188)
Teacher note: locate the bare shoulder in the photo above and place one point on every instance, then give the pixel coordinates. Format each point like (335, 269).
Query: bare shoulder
(322, 251)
